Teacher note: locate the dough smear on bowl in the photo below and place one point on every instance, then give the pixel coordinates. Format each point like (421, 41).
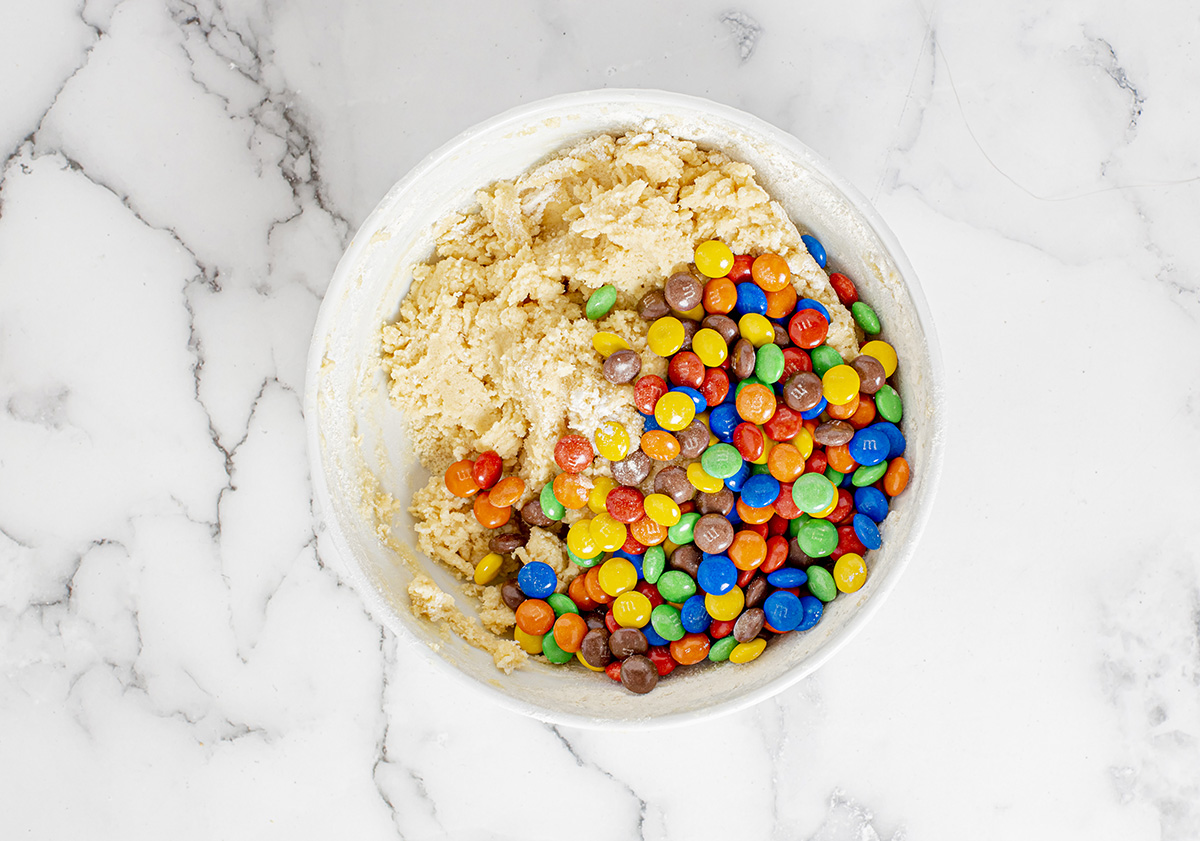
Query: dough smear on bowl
(491, 349)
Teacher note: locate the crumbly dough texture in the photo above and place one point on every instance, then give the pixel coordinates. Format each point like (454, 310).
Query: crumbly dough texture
(491, 349)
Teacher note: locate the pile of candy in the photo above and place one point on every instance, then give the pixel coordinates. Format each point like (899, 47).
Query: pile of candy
(778, 462)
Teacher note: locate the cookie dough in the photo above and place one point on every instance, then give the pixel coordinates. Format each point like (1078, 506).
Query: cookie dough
(491, 349)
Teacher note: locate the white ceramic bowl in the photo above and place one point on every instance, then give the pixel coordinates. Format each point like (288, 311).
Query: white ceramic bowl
(352, 427)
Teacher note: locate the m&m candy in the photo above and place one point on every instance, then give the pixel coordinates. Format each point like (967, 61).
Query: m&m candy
(752, 495)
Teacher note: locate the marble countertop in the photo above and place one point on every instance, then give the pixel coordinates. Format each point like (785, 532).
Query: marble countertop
(176, 660)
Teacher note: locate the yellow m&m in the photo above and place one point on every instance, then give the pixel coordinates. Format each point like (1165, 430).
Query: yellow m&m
(710, 347)
(701, 480)
(803, 442)
(612, 440)
(580, 540)
(744, 652)
(607, 532)
(631, 609)
(756, 329)
(616, 576)
(601, 487)
(674, 411)
(727, 606)
(606, 344)
(840, 384)
(884, 352)
(713, 258)
(850, 572)
(662, 509)
(530, 643)
(487, 568)
(665, 335)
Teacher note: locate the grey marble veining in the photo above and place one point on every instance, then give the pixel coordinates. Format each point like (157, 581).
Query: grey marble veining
(178, 182)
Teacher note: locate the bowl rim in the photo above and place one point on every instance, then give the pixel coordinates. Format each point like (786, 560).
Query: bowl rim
(558, 105)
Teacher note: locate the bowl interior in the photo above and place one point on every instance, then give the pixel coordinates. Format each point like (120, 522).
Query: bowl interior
(356, 433)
